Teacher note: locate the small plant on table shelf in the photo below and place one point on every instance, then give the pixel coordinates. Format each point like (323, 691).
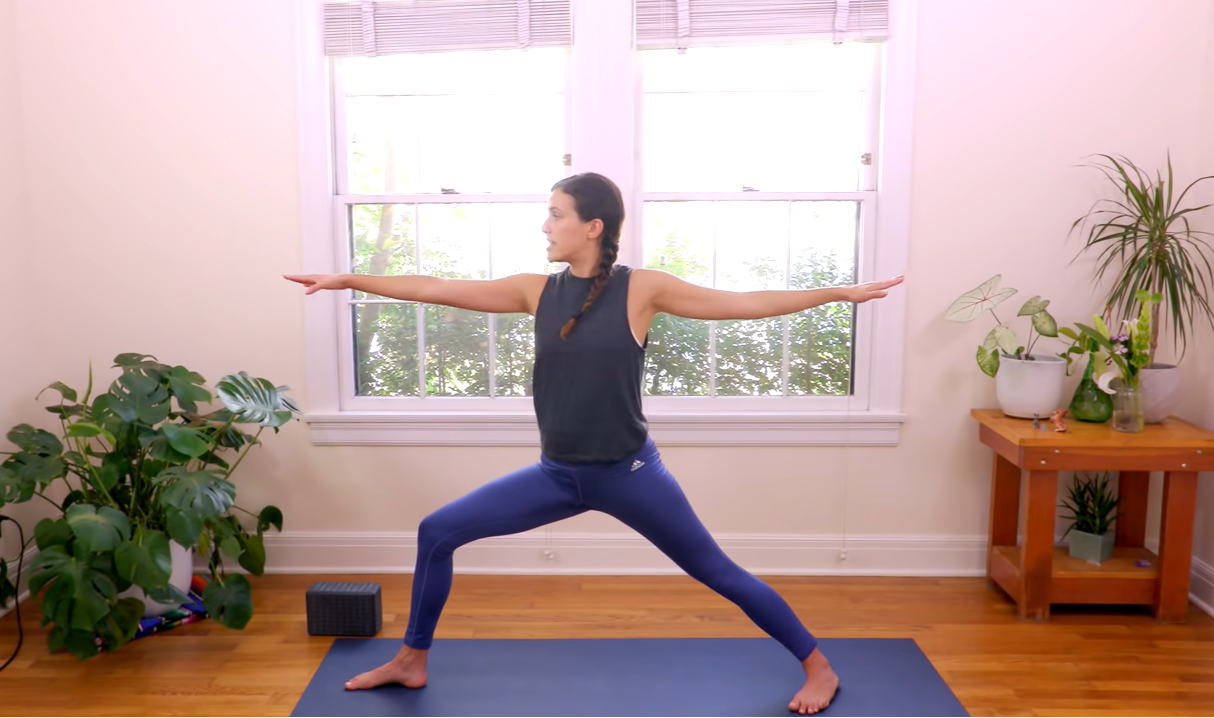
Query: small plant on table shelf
(1092, 508)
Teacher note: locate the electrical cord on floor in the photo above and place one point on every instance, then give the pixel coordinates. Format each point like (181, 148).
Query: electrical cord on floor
(16, 600)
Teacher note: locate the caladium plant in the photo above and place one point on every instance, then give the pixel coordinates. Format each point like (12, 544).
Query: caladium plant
(1003, 339)
(137, 466)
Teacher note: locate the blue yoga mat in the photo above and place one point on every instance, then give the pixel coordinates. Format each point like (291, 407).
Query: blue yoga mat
(627, 677)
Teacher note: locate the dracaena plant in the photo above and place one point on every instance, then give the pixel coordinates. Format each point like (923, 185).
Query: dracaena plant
(1145, 240)
(132, 468)
(1003, 339)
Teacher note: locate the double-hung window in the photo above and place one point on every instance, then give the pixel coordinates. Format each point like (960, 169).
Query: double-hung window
(749, 138)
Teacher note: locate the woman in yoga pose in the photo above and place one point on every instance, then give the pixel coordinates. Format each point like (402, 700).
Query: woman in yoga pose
(591, 327)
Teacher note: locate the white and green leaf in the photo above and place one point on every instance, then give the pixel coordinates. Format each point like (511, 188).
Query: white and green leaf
(988, 361)
(972, 304)
(1001, 337)
(1045, 324)
(1033, 306)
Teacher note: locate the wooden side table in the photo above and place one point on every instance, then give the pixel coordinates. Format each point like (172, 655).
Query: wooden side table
(1033, 571)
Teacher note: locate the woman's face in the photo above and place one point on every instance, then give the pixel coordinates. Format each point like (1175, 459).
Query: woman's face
(569, 238)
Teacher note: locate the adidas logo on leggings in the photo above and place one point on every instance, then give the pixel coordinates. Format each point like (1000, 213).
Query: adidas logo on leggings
(637, 464)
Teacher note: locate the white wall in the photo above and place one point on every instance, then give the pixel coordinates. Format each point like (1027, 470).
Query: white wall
(16, 317)
(1202, 372)
(172, 131)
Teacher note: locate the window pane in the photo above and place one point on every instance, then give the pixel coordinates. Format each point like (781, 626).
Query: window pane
(752, 253)
(384, 240)
(678, 238)
(518, 247)
(515, 337)
(777, 118)
(385, 351)
(751, 246)
(518, 244)
(823, 254)
(455, 245)
(457, 352)
(455, 240)
(468, 122)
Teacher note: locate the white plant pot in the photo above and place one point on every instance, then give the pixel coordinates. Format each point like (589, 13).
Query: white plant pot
(180, 576)
(1160, 392)
(1025, 388)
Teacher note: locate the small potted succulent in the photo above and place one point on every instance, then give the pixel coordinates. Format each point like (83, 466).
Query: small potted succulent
(1091, 505)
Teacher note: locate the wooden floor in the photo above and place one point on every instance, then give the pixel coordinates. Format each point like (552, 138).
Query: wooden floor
(1086, 661)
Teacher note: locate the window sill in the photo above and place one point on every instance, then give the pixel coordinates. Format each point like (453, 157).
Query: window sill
(518, 429)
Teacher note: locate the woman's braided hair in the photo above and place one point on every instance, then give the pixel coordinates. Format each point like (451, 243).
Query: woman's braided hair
(596, 197)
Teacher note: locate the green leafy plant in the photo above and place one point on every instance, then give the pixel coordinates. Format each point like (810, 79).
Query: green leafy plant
(1121, 356)
(1002, 340)
(1091, 505)
(1145, 238)
(137, 466)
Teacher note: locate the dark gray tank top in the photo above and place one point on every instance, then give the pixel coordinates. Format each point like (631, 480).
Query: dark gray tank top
(587, 388)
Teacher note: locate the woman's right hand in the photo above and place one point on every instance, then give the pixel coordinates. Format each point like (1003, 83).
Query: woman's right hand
(317, 282)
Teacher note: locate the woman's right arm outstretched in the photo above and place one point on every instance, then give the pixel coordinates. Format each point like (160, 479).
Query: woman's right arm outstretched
(517, 293)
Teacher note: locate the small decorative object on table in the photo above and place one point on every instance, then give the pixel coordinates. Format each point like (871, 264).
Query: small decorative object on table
(344, 609)
(1058, 419)
(1091, 506)
(1119, 360)
(1089, 402)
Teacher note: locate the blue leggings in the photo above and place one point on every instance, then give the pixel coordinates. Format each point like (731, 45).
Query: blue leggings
(638, 491)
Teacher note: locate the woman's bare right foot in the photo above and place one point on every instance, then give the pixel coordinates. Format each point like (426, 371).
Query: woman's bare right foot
(407, 669)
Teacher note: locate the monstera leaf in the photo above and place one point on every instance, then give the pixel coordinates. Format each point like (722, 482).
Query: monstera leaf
(146, 562)
(78, 591)
(205, 492)
(972, 304)
(136, 397)
(230, 602)
(12, 488)
(255, 401)
(98, 529)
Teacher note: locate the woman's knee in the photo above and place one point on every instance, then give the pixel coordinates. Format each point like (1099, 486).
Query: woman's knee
(437, 528)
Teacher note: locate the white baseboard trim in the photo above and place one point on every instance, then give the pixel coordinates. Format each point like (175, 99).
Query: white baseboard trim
(623, 554)
(1201, 586)
(23, 581)
(629, 554)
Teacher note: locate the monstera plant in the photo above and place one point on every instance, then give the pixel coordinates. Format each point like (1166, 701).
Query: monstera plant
(133, 468)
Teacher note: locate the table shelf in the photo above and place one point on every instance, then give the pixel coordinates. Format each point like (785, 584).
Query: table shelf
(1024, 472)
(1117, 581)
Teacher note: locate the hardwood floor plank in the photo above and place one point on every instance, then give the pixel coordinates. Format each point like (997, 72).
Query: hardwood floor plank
(1084, 661)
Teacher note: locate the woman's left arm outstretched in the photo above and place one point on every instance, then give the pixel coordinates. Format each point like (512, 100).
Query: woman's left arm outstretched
(672, 295)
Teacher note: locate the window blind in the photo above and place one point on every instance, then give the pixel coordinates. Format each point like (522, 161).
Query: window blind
(688, 23)
(388, 27)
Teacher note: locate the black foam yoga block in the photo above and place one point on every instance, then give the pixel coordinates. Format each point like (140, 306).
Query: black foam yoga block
(344, 609)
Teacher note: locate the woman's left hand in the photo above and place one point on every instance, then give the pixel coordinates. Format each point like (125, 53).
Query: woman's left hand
(859, 293)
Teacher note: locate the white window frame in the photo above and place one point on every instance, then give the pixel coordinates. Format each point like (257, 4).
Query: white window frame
(872, 415)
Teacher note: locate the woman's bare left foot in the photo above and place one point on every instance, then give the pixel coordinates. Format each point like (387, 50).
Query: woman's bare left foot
(408, 669)
(821, 683)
